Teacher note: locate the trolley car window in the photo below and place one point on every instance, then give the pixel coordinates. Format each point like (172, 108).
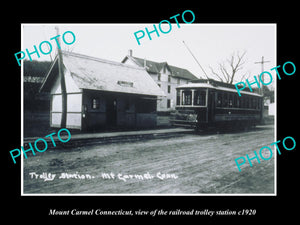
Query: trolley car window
(255, 103)
(250, 102)
(225, 100)
(178, 98)
(199, 98)
(246, 102)
(242, 103)
(230, 102)
(187, 97)
(235, 101)
(219, 99)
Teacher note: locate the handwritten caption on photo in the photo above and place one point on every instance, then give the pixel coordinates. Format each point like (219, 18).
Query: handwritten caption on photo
(45, 176)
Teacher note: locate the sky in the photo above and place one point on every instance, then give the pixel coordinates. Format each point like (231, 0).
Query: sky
(211, 44)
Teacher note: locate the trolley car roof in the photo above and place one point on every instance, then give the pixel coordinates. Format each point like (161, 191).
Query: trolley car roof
(206, 85)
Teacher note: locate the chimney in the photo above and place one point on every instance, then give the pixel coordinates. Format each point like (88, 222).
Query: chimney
(130, 52)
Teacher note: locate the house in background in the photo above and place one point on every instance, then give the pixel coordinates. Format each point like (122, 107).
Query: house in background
(101, 94)
(167, 77)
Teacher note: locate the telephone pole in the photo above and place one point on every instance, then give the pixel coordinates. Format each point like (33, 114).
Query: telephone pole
(62, 85)
(262, 62)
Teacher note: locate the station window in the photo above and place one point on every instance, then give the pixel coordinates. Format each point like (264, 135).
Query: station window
(169, 78)
(187, 97)
(200, 98)
(169, 89)
(95, 103)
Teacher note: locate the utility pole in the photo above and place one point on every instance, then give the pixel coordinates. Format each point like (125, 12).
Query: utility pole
(195, 59)
(62, 85)
(262, 70)
(262, 88)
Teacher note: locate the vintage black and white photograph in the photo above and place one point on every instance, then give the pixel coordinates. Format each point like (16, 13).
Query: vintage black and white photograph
(131, 109)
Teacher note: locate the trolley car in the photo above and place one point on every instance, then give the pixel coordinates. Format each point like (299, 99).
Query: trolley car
(208, 103)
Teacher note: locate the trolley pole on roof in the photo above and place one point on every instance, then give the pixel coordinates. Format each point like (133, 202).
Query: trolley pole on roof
(195, 59)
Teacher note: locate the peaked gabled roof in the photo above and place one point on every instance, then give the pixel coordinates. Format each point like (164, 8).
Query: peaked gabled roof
(99, 74)
(155, 67)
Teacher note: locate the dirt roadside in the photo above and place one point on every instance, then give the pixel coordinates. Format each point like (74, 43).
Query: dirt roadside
(190, 164)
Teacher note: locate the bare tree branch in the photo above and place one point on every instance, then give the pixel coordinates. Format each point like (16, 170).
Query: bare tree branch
(245, 76)
(213, 72)
(235, 64)
(224, 72)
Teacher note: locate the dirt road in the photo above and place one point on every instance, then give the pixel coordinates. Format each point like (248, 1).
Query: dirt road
(191, 164)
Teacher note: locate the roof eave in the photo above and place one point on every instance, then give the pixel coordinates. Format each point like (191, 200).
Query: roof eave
(48, 75)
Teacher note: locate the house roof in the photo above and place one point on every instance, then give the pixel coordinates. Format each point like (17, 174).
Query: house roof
(155, 67)
(99, 74)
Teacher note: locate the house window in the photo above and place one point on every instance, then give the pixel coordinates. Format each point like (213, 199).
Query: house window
(169, 89)
(178, 81)
(168, 103)
(169, 78)
(158, 77)
(159, 85)
(95, 103)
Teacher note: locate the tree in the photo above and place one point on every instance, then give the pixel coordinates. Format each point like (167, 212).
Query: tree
(234, 64)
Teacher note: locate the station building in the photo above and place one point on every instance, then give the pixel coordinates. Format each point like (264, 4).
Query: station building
(101, 94)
